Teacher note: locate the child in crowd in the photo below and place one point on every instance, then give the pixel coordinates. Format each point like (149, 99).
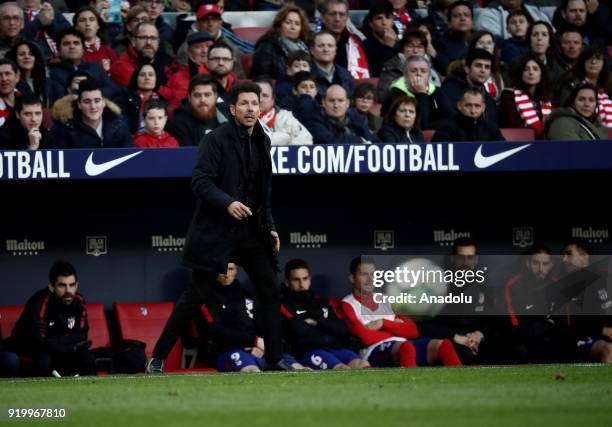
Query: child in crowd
(516, 45)
(296, 61)
(155, 118)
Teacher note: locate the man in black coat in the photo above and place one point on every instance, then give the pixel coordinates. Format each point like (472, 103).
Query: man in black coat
(25, 131)
(469, 122)
(232, 223)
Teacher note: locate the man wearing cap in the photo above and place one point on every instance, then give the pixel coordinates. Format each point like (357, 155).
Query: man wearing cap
(197, 53)
(209, 20)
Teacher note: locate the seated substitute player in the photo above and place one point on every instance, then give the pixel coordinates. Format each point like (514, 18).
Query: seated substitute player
(317, 336)
(231, 327)
(52, 329)
(388, 339)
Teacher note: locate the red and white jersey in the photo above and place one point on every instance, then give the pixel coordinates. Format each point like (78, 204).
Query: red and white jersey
(358, 312)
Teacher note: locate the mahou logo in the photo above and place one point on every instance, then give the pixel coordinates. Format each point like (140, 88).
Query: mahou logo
(24, 247)
(167, 243)
(307, 240)
(446, 238)
(593, 235)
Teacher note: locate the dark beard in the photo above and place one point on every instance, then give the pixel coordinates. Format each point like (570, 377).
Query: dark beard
(204, 115)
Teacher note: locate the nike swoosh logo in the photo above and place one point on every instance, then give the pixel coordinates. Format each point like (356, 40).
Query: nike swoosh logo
(529, 307)
(93, 169)
(483, 162)
(301, 311)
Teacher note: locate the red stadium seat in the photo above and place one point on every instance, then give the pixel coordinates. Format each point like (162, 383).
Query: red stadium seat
(518, 134)
(98, 328)
(372, 80)
(251, 34)
(9, 314)
(610, 51)
(428, 134)
(247, 63)
(609, 130)
(47, 119)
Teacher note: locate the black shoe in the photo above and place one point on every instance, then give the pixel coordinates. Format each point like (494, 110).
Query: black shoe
(281, 365)
(155, 367)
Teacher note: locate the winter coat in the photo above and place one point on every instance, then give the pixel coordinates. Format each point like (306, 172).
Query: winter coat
(59, 73)
(393, 70)
(187, 129)
(460, 128)
(565, 124)
(341, 77)
(394, 134)
(148, 140)
(288, 130)
(269, 59)
(453, 89)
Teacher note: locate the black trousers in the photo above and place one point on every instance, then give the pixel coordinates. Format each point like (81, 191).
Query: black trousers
(82, 362)
(249, 252)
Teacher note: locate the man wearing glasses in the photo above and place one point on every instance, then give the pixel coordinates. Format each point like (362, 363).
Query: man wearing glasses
(155, 8)
(145, 47)
(220, 64)
(11, 26)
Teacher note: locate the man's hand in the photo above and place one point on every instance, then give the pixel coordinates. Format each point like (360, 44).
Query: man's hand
(466, 341)
(607, 332)
(374, 325)
(46, 15)
(418, 84)
(592, 6)
(259, 342)
(476, 337)
(34, 137)
(239, 211)
(276, 240)
(257, 352)
(389, 37)
(311, 321)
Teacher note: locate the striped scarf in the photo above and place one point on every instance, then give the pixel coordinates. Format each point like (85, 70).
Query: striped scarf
(357, 64)
(529, 113)
(401, 19)
(269, 118)
(604, 108)
(491, 88)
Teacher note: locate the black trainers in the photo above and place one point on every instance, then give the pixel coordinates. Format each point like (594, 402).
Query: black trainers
(281, 365)
(154, 367)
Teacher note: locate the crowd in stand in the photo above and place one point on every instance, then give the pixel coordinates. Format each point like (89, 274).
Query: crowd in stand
(464, 69)
(526, 318)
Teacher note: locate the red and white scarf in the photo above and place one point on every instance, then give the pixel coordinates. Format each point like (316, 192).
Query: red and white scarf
(529, 113)
(33, 13)
(269, 118)
(357, 64)
(491, 88)
(93, 47)
(604, 108)
(401, 19)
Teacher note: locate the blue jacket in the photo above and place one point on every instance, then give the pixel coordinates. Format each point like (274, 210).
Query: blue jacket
(341, 77)
(70, 132)
(34, 31)
(60, 72)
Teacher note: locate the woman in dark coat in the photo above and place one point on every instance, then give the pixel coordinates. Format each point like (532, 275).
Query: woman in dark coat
(402, 122)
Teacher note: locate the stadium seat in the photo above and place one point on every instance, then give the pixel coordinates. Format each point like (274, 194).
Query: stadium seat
(428, 134)
(251, 34)
(609, 130)
(98, 328)
(373, 81)
(518, 134)
(247, 63)
(9, 314)
(47, 119)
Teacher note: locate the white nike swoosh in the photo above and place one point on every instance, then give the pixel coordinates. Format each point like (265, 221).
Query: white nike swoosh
(529, 307)
(301, 311)
(93, 169)
(483, 162)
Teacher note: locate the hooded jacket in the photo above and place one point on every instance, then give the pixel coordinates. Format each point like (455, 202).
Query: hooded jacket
(565, 124)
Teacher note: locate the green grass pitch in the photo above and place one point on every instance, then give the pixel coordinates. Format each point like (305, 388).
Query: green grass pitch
(548, 395)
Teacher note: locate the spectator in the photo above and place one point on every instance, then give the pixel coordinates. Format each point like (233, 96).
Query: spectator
(528, 103)
(437, 17)
(478, 69)
(288, 34)
(88, 22)
(454, 44)
(592, 66)
(303, 99)
(209, 20)
(144, 48)
(312, 327)
(469, 122)
(153, 134)
(591, 326)
(577, 120)
(516, 45)
(414, 43)
(382, 38)
(89, 120)
(296, 61)
(326, 70)
(280, 125)
(70, 43)
(9, 77)
(416, 83)
(155, 8)
(42, 25)
(495, 16)
(362, 102)
(144, 85)
(495, 83)
(350, 54)
(24, 131)
(220, 64)
(387, 339)
(136, 15)
(53, 327)
(534, 335)
(337, 125)
(401, 16)
(11, 26)
(582, 16)
(540, 38)
(32, 72)
(430, 50)
(402, 122)
(198, 114)
(198, 45)
(570, 46)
